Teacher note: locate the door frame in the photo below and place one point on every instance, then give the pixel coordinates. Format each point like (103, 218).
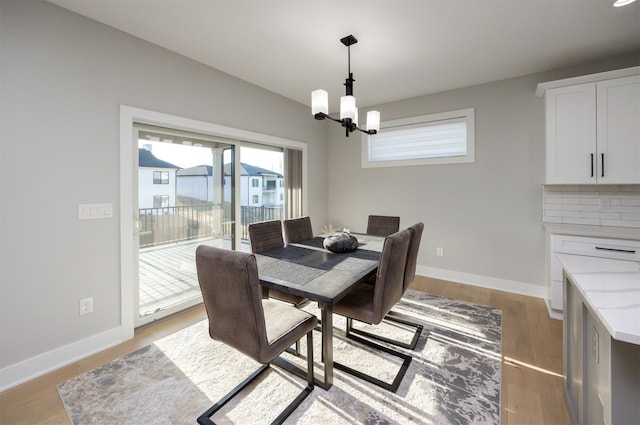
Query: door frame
(128, 168)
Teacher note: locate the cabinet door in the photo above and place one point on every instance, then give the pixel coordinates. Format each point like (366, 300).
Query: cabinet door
(571, 134)
(618, 123)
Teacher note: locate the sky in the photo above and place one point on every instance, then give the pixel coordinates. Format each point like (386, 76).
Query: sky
(190, 156)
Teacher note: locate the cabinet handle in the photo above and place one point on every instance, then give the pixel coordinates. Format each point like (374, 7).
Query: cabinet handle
(602, 160)
(629, 251)
(591, 165)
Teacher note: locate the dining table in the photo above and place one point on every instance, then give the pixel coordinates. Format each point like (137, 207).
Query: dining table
(309, 270)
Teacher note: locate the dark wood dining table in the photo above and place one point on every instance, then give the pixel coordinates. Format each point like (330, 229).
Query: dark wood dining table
(309, 270)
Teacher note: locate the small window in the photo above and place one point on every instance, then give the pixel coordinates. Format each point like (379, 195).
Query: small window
(161, 201)
(444, 138)
(254, 199)
(160, 177)
(254, 182)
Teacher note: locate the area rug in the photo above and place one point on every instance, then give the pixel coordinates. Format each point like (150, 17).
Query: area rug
(454, 377)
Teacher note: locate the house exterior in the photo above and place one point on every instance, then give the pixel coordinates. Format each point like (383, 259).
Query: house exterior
(261, 187)
(156, 181)
(196, 183)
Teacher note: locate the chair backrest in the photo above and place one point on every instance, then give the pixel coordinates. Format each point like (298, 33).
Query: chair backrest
(390, 276)
(412, 255)
(232, 298)
(382, 225)
(265, 236)
(297, 229)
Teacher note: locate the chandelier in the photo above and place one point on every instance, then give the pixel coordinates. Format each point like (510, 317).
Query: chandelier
(348, 110)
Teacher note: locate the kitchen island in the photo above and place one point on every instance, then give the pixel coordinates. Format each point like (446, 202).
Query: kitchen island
(601, 339)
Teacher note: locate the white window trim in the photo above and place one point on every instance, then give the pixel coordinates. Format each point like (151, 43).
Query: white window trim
(129, 151)
(469, 116)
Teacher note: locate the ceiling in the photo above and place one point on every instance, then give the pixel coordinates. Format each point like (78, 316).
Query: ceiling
(405, 48)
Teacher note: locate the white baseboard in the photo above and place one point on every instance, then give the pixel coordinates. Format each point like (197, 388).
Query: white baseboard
(553, 313)
(28, 369)
(505, 285)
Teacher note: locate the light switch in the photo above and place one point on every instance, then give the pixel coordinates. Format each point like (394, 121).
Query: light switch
(94, 211)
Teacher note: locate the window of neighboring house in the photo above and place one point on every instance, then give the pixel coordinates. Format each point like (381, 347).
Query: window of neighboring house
(160, 177)
(281, 183)
(254, 199)
(443, 138)
(282, 197)
(160, 201)
(254, 182)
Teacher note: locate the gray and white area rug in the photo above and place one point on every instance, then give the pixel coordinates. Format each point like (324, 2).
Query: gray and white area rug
(454, 377)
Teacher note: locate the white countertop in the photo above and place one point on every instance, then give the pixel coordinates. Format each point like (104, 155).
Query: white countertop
(611, 290)
(596, 231)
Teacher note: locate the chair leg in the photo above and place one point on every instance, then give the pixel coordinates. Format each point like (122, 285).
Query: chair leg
(295, 351)
(393, 387)
(411, 345)
(205, 418)
(307, 390)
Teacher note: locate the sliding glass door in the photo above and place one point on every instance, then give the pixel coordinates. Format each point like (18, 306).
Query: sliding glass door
(262, 188)
(185, 198)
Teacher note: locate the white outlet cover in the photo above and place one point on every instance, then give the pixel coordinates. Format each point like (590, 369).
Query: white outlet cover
(86, 306)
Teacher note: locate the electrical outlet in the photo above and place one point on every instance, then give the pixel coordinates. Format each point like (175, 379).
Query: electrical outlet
(440, 251)
(605, 204)
(86, 306)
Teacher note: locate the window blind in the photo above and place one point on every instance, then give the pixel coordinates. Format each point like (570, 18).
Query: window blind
(439, 139)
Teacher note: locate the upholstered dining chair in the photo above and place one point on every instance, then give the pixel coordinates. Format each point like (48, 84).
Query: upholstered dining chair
(371, 303)
(297, 229)
(265, 236)
(382, 225)
(238, 317)
(409, 275)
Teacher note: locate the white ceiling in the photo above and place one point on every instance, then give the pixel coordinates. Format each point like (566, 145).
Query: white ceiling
(405, 48)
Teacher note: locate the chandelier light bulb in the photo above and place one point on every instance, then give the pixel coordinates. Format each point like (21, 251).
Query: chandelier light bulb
(347, 107)
(319, 102)
(373, 120)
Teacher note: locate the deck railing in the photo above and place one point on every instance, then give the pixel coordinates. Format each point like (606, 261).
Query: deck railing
(160, 226)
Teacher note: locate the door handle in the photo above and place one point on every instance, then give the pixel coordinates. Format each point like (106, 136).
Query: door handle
(602, 161)
(591, 165)
(629, 251)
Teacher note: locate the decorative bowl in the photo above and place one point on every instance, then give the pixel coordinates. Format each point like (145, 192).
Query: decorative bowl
(340, 242)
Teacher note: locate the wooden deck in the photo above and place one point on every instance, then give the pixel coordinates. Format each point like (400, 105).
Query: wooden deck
(168, 273)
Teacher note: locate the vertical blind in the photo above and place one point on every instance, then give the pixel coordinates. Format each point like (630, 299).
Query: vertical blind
(293, 177)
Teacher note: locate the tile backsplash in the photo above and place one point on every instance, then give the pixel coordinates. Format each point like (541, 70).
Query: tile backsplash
(598, 205)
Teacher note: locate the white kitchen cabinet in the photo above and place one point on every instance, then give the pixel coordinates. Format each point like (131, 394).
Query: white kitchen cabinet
(618, 130)
(571, 134)
(619, 249)
(593, 131)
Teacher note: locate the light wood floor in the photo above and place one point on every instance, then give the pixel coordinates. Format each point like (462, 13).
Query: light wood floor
(531, 369)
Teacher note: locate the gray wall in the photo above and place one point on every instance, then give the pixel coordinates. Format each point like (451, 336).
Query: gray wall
(63, 79)
(487, 215)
